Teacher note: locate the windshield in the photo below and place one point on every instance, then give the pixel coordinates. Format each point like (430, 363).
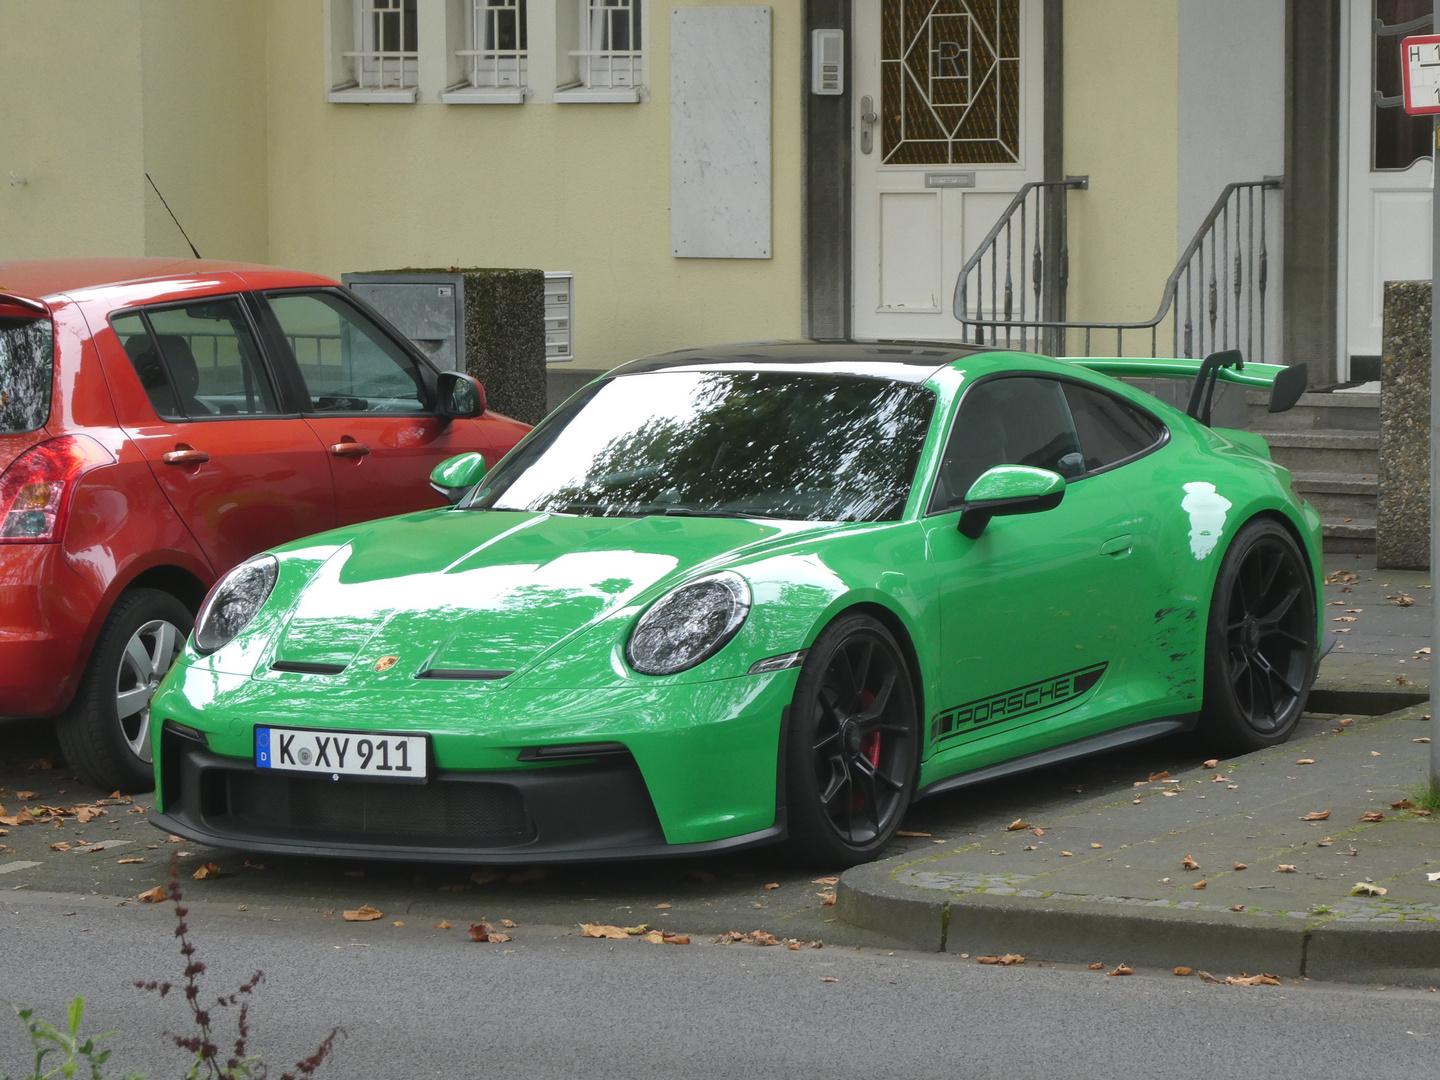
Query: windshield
(741, 444)
(27, 356)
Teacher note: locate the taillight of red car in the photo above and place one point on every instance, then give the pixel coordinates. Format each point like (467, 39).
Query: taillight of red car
(36, 490)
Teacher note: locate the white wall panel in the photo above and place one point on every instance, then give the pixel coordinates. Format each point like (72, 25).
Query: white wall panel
(720, 132)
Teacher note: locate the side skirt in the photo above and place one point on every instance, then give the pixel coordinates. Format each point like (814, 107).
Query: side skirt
(1094, 744)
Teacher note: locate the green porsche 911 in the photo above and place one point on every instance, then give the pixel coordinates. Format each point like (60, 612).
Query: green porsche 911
(753, 593)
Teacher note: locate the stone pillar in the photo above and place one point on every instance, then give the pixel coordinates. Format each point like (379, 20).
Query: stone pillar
(1402, 517)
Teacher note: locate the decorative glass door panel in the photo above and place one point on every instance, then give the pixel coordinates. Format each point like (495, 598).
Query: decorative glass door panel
(950, 82)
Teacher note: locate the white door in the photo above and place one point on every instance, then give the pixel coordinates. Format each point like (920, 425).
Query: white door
(954, 88)
(1388, 172)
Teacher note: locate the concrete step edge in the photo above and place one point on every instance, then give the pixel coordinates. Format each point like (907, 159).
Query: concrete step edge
(1325, 440)
(1320, 401)
(1335, 483)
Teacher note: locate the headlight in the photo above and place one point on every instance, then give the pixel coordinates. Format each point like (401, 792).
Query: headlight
(233, 602)
(689, 625)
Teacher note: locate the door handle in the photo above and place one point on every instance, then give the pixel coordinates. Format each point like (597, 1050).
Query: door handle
(184, 455)
(868, 120)
(1118, 545)
(349, 448)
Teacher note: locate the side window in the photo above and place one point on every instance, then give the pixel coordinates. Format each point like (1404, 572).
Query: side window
(1110, 430)
(349, 365)
(1007, 421)
(197, 360)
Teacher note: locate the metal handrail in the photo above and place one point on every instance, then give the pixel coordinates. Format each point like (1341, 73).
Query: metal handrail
(1227, 301)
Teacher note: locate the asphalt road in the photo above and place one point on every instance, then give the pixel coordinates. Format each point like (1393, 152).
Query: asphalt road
(416, 1001)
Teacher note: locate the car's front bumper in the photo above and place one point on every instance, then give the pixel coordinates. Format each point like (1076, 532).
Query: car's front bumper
(693, 768)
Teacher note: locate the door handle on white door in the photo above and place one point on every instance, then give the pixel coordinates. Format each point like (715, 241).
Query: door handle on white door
(868, 120)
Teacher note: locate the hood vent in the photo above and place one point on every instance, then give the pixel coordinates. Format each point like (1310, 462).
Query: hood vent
(301, 668)
(463, 673)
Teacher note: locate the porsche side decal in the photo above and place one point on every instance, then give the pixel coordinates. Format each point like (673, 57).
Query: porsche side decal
(1013, 704)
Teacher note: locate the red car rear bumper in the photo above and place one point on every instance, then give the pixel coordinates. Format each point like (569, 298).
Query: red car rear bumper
(47, 611)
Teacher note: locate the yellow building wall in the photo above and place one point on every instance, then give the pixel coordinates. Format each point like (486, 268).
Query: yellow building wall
(203, 94)
(71, 172)
(578, 187)
(1121, 128)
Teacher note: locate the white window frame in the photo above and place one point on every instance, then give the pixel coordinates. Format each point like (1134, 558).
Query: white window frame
(491, 75)
(600, 72)
(375, 74)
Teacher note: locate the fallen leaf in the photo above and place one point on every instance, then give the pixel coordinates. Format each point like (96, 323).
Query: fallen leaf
(1004, 961)
(1346, 722)
(1316, 815)
(1067, 854)
(25, 796)
(1237, 907)
(152, 896)
(597, 930)
(1343, 618)
(86, 814)
(254, 865)
(1403, 804)
(1305, 761)
(674, 939)
(61, 846)
(398, 922)
(654, 937)
(1232, 787)
(364, 913)
(1093, 845)
(1189, 864)
(1211, 764)
(1038, 832)
(1251, 980)
(441, 925)
(829, 978)
(1158, 776)
(1241, 866)
(907, 832)
(1184, 971)
(1205, 976)
(773, 885)
(484, 932)
(1122, 969)
(509, 924)
(1371, 815)
(1017, 824)
(827, 899)
(1423, 738)
(633, 931)
(664, 905)
(126, 862)
(207, 870)
(1367, 888)
(1200, 884)
(825, 881)
(1095, 967)
(1402, 599)
(1219, 778)
(760, 937)
(1284, 868)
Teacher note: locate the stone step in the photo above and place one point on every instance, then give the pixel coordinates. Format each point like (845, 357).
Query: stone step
(1338, 495)
(1316, 412)
(1355, 535)
(1353, 452)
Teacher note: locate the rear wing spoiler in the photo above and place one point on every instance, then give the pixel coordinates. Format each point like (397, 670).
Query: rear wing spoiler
(1286, 383)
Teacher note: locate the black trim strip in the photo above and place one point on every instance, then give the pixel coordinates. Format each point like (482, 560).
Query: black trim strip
(463, 673)
(300, 667)
(572, 751)
(1095, 744)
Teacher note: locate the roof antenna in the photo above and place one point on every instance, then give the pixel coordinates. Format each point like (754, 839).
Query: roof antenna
(172, 216)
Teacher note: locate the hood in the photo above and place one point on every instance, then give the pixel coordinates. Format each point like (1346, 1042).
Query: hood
(492, 591)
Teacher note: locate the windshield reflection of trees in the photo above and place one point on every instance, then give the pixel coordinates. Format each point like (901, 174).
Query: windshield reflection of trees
(26, 364)
(753, 444)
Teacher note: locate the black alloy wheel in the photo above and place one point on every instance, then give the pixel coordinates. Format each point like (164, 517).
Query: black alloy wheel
(853, 745)
(1260, 653)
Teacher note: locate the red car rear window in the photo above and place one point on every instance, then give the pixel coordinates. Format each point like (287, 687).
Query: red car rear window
(27, 364)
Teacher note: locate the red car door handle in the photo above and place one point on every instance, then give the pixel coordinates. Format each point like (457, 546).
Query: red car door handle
(349, 448)
(185, 455)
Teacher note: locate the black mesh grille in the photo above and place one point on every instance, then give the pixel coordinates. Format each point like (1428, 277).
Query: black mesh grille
(438, 812)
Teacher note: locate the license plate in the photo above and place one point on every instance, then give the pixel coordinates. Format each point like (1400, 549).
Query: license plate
(342, 753)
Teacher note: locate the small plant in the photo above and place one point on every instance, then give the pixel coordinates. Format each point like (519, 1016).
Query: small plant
(206, 1062)
(1426, 796)
(46, 1039)
(1322, 909)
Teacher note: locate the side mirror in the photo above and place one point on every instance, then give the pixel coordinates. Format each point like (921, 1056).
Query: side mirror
(454, 476)
(460, 395)
(1009, 489)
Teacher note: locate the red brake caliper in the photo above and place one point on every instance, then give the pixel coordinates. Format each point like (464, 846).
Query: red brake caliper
(871, 746)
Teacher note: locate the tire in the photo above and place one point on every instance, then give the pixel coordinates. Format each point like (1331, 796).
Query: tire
(105, 734)
(1260, 643)
(852, 745)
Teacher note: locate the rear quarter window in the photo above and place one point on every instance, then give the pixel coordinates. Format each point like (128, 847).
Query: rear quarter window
(27, 369)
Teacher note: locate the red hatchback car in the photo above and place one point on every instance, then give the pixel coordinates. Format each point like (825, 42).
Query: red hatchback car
(160, 422)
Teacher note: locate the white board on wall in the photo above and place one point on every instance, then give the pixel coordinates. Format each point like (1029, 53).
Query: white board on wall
(720, 132)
